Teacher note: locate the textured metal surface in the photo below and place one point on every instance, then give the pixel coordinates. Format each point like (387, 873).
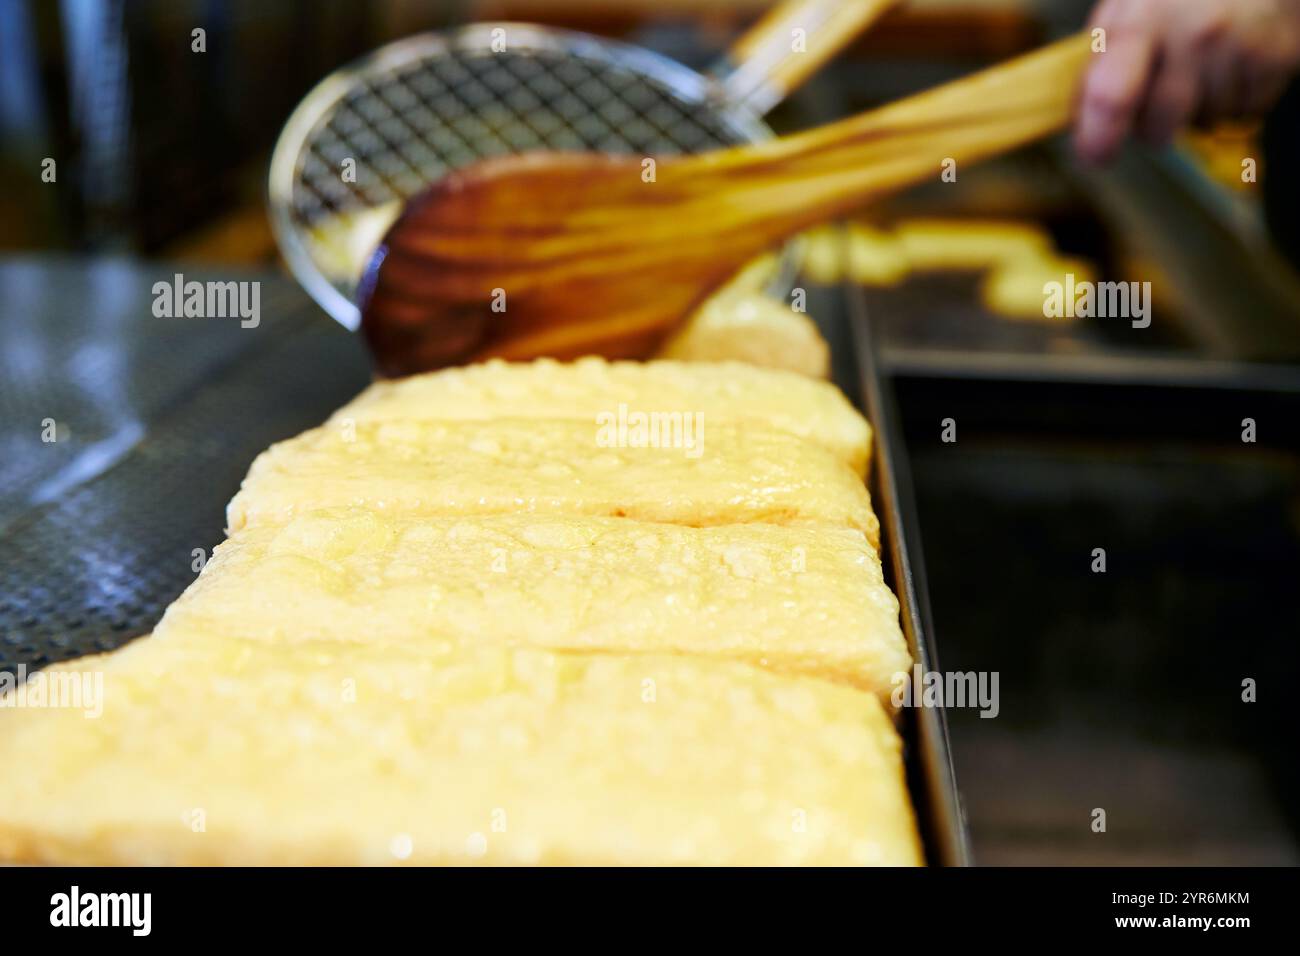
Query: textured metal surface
(417, 108)
(158, 420)
(407, 128)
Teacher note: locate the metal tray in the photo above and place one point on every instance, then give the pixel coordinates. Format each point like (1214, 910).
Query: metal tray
(97, 531)
(931, 778)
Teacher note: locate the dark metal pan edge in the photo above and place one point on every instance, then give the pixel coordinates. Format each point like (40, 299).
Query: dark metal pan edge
(940, 814)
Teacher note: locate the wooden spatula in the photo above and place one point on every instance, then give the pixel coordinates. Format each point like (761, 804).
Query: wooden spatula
(574, 254)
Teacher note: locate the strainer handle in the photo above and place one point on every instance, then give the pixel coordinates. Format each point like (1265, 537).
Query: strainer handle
(771, 59)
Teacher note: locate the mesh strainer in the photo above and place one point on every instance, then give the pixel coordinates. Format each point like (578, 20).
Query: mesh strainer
(375, 133)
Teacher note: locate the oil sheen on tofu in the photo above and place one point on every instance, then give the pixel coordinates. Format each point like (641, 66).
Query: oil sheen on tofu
(553, 467)
(215, 751)
(797, 600)
(723, 392)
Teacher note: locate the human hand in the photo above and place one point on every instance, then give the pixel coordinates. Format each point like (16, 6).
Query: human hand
(1170, 62)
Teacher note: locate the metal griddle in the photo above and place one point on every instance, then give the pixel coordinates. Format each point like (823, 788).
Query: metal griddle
(163, 418)
(158, 421)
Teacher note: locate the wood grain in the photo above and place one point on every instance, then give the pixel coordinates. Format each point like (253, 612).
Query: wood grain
(585, 253)
(768, 67)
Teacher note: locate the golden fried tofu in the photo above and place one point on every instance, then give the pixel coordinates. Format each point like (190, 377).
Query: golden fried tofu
(797, 600)
(722, 392)
(753, 328)
(969, 244)
(215, 750)
(720, 474)
(1018, 289)
(874, 257)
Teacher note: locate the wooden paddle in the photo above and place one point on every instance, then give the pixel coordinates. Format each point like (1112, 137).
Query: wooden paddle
(574, 254)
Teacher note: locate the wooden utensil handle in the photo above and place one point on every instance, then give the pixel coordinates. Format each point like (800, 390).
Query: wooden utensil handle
(823, 173)
(768, 62)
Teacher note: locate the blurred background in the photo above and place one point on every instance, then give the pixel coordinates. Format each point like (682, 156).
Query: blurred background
(164, 152)
(1120, 690)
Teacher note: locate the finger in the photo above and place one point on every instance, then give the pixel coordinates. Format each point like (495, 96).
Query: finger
(1173, 98)
(1262, 85)
(1112, 92)
(1104, 14)
(1223, 87)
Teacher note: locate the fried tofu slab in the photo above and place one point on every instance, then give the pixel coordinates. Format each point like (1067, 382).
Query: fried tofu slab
(553, 468)
(798, 600)
(722, 392)
(216, 750)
